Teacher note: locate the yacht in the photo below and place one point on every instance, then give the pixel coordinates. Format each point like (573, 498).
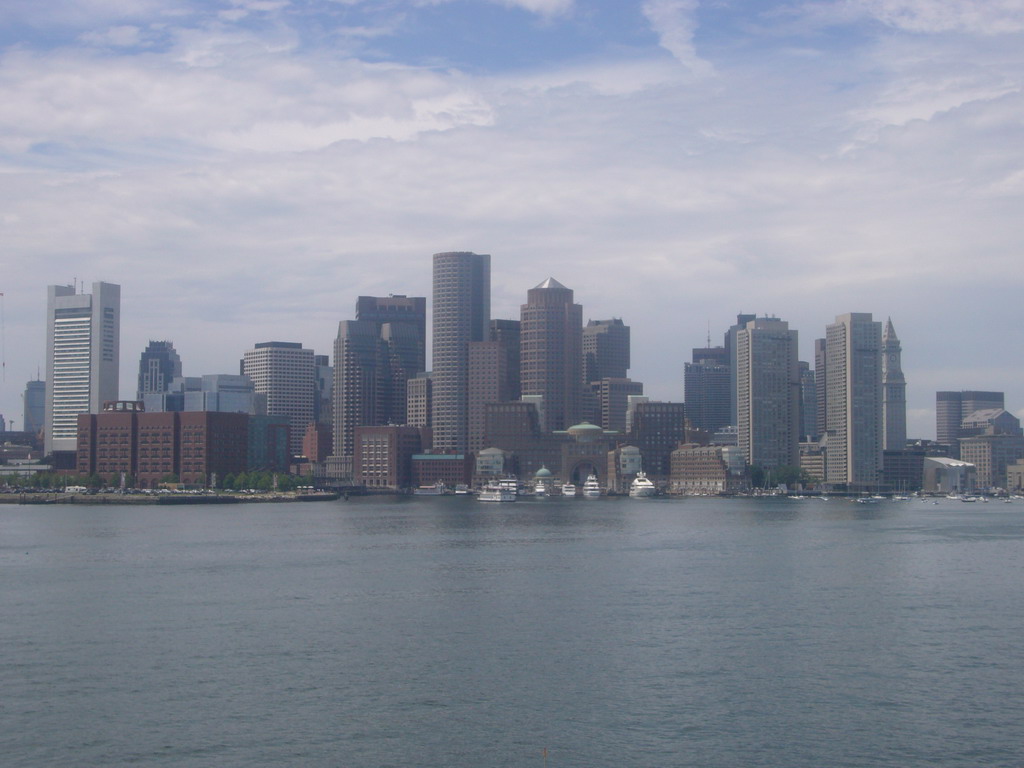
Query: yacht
(642, 487)
(568, 489)
(591, 490)
(540, 488)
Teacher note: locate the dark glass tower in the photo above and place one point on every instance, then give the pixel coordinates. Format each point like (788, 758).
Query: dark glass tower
(158, 366)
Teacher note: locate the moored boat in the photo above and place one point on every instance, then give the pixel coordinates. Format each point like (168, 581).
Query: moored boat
(496, 492)
(568, 489)
(591, 489)
(642, 487)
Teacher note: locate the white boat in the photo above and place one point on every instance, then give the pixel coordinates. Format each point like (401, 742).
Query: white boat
(591, 490)
(568, 489)
(642, 487)
(496, 492)
(437, 489)
(540, 489)
(509, 484)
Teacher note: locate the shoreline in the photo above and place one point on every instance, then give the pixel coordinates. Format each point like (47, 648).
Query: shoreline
(168, 499)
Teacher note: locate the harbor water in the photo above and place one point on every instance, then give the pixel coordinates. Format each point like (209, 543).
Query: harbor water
(445, 632)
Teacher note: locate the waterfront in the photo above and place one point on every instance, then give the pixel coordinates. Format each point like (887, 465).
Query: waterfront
(445, 632)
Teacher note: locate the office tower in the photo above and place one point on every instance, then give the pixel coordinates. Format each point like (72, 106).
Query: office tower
(552, 352)
(605, 350)
(808, 403)
(820, 388)
(35, 407)
(656, 429)
(83, 337)
(854, 400)
(219, 392)
(951, 408)
(706, 383)
(493, 375)
(730, 351)
(361, 384)
(768, 393)
(612, 396)
(894, 392)
(407, 310)
(324, 402)
(158, 367)
(462, 310)
(420, 400)
(286, 374)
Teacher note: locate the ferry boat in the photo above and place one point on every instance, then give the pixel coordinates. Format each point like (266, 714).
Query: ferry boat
(642, 487)
(497, 492)
(591, 490)
(437, 489)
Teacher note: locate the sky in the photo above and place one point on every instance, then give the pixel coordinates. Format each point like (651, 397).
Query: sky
(245, 169)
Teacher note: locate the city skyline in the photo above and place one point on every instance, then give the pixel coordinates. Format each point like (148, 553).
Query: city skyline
(246, 172)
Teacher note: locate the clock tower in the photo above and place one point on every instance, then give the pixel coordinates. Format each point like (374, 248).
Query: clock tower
(894, 392)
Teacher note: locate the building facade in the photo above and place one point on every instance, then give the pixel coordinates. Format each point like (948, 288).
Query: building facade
(854, 401)
(461, 313)
(83, 337)
(605, 350)
(551, 355)
(706, 386)
(159, 365)
(768, 393)
(894, 392)
(285, 374)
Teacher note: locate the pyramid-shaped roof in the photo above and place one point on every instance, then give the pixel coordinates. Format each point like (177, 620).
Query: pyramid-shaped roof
(552, 283)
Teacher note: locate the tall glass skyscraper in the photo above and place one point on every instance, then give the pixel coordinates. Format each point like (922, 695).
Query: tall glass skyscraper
(462, 311)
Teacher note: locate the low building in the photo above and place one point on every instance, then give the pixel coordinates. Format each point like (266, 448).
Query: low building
(991, 455)
(945, 475)
(383, 456)
(449, 468)
(707, 469)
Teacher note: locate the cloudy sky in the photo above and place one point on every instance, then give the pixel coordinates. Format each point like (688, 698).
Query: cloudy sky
(246, 168)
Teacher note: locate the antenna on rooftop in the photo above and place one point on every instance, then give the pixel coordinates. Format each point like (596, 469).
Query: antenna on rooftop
(709, 333)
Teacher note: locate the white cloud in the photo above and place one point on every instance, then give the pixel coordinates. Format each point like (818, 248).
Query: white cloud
(674, 21)
(989, 17)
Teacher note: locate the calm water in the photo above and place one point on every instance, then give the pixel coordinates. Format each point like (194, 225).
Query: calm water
(445, 632)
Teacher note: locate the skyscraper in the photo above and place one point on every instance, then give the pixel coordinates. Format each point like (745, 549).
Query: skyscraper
(894, 392)
(286, 374)
(853, 358)
(730, 351)
(820, 389)
(768, 393)
(158, 367)
(605, 350)
(951, 408)
(35, 406)
(706, 389)
(808, 403)
(551, 355)
(394, 309)
(83, 338)
(462, 309)
(493, 375)
(361, 386)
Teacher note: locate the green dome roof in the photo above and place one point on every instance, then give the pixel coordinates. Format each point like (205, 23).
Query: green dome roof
(543, 472)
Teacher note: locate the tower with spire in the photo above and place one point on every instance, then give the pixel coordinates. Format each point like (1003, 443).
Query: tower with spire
(894, 392)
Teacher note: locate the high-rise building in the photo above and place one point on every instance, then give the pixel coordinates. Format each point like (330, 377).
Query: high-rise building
(808, 403)
(605, 350)
(419, 401)
(894, 392)
(612, 396)
(35, 406)
(768, 393)
(83, 338)
(158, 367)
(324, 402)
(730, 351)
(951, 408)
(551, 356)
(820, 389)
(493, 375)
(706, 383)
(462, 311)
(395, 309)
(286, 374)
(854, 401)
(361, 385)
